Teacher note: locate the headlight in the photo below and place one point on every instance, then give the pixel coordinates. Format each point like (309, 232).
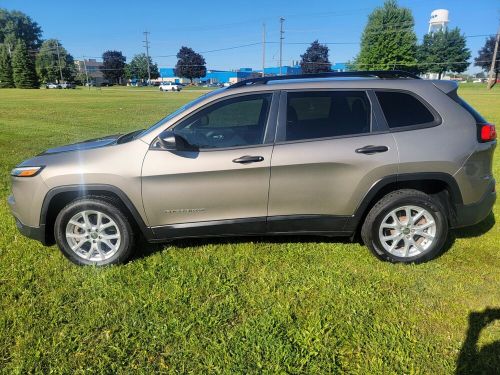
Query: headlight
(25, 171)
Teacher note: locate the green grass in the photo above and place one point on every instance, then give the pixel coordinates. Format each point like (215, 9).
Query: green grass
(272, 305)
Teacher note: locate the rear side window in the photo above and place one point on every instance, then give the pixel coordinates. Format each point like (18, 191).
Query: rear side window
(324, 114)
(401, 109)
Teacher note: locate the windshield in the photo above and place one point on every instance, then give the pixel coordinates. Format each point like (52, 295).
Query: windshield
(177, 112)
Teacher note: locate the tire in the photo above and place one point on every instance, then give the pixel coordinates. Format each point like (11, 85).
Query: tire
(112, 244)
(415, 241)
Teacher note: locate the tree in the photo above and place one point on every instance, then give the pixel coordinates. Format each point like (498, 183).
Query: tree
(48, 61)
(6, 79)
(190, 64)
(16, 25)
(315, 60)
(485, 56)
(113, 66)
(23, 67)
(388, 41)
(138, 68)
(443, 51)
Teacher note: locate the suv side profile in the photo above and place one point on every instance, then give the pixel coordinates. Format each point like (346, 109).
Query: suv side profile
(398, 159)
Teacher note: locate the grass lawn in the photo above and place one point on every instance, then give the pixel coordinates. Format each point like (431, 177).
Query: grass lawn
(272, 305)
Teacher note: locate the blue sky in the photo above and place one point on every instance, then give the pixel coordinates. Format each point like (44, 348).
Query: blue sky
(87, 28)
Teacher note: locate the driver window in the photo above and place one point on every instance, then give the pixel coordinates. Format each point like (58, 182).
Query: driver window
(239, 121)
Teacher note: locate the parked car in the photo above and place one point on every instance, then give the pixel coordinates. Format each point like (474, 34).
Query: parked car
(398, 159)
(170, 86)
(478, 80)
(67, 85)
(51, 85)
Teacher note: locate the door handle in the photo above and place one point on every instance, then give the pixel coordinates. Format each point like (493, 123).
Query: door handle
(248, 159)
(369, 150)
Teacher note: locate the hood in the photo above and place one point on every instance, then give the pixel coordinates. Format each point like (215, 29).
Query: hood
(85, 145)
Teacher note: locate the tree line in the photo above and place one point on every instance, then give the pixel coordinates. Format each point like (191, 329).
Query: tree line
(388, 42)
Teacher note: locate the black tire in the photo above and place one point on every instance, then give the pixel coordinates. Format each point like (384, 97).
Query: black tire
(393, 200)
(108, 208)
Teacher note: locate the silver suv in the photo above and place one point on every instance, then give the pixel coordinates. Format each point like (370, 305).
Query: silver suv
(397, 159)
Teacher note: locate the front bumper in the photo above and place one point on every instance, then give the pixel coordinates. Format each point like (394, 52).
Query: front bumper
(35, 233)
(471, 214)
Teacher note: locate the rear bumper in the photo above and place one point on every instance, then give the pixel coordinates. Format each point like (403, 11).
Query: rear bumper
(471, 214)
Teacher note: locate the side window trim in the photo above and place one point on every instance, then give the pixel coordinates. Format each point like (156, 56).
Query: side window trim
(437, 118)
(281, 123)
(270, 126)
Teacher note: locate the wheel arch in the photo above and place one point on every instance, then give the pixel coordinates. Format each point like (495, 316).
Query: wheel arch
(58, 197)
(440, 185)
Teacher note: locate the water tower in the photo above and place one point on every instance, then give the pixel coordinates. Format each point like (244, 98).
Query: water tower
(439, 20)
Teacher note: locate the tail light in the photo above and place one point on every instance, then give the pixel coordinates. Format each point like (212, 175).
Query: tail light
(486, 133)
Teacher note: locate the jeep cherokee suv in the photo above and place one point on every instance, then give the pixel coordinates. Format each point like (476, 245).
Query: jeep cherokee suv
(398, 159)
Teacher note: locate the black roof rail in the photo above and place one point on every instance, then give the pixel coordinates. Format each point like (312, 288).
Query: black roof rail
(383, 74)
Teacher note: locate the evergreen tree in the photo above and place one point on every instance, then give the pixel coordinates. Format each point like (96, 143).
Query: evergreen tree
(6, 79)
(315, 60)
(48, 60)
(444, 51)
(23, 67)
(190, 64)
(388, 41)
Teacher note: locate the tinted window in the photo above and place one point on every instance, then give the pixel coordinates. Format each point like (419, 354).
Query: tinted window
(402, 109)
(324, 114)
(234, 122)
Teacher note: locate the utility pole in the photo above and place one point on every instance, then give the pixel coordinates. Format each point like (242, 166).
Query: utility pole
(263, 49)
(86, 74)
(146, 44)
(493, 62)
(59, 60)
(282, 33)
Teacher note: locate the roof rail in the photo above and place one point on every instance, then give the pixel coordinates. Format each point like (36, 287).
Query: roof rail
(383, 74)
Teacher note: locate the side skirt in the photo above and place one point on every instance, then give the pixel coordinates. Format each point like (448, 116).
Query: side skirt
(319, 225)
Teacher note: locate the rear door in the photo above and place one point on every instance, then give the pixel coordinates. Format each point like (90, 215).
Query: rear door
(330, 150)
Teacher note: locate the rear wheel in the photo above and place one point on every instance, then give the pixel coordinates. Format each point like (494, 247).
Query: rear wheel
(93, 231)
(405, 226)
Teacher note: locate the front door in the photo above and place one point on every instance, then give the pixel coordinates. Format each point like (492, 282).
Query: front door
(222, 188)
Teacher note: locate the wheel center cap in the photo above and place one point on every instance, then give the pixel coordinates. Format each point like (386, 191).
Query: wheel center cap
(94, 235)
(406, 231)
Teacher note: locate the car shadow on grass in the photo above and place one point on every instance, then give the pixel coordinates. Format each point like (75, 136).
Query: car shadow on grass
(475, 360)
(145, 249)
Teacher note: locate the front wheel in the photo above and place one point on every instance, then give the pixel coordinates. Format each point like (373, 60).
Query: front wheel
(93, 231)
(405, 226)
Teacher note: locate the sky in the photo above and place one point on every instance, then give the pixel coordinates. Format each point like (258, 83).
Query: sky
(88, 28)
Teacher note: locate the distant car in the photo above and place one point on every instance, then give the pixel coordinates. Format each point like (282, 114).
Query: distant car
(51, 85)
(67, 85)
(477, 80)
(170, 86)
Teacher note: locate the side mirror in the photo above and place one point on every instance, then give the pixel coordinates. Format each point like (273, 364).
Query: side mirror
(170, 141)
(167, 140)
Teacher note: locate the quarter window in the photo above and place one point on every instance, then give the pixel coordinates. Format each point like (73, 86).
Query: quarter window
(401, 109)
(239, 121)
(324, 114)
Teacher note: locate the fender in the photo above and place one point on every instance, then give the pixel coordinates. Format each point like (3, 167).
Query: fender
(399, 180)
(95, 188)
